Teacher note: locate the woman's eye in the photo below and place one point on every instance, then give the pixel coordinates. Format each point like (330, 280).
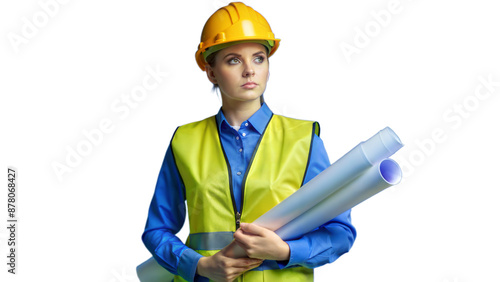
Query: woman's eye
(233, 61)
(259, 59)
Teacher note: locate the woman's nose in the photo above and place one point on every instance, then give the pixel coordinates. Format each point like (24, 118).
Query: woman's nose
(248, 71)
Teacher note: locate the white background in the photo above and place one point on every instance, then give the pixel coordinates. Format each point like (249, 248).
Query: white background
(421, 66)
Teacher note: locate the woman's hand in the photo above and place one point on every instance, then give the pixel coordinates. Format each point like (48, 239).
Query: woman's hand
(222, 267)
(262, 243)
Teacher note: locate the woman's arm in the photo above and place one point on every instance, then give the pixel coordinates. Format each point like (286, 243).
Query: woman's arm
(166, 217)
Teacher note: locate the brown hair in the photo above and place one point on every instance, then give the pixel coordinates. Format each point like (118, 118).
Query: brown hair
(211, 61)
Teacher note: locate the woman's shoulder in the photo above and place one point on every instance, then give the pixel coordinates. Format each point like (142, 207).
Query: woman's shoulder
(291, 120)
(194, 128)
(195, 133)
(205, 121)
(295, 123)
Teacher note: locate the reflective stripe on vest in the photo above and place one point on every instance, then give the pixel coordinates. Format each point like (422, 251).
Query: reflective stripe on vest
(276, 170)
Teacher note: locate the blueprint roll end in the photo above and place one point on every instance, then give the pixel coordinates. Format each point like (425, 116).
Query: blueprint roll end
(390, 171)
(381, 145)
(390, 140)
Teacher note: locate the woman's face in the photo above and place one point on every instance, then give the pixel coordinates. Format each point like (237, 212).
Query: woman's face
(241, 72)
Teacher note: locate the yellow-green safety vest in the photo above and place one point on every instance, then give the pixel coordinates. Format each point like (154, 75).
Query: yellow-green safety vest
(276, 170)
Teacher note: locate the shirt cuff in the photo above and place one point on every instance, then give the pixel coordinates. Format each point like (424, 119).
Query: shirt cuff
(299, 252)
(188, 263)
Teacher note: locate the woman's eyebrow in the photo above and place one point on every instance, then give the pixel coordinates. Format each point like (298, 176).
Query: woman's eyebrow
(238, 55)
(232, 54)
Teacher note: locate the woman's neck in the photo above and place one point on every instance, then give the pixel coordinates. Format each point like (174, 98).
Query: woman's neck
(237, 113)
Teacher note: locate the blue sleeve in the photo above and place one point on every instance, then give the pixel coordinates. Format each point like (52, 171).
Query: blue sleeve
(331, 240)
(166, 217)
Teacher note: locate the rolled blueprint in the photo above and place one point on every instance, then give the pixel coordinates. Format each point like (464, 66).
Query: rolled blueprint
(374, 180)
(151, 271)
(380, 146)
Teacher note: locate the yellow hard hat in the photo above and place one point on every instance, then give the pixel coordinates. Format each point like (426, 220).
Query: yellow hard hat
(232, 23)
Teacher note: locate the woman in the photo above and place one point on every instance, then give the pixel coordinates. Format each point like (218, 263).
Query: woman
(233, 167)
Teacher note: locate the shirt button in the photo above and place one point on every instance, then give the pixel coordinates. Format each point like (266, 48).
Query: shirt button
(237, 138)
(240, 150)
(246, 124)
(238, 173)
(244, 134)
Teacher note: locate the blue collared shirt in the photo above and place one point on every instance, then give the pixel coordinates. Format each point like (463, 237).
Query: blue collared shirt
(167, 210)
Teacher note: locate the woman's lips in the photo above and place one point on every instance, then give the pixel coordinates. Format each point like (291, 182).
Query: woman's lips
(249, 85)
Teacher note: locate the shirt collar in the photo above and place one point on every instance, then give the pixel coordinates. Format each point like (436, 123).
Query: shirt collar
(258, 120)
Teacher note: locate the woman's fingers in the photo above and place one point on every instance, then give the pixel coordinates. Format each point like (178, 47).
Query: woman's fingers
(253, 229)
(220, 267)
(259, 242)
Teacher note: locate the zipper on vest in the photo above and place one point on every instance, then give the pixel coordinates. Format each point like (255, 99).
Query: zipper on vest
(237, 214)
(243, 183)
(238, 219)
